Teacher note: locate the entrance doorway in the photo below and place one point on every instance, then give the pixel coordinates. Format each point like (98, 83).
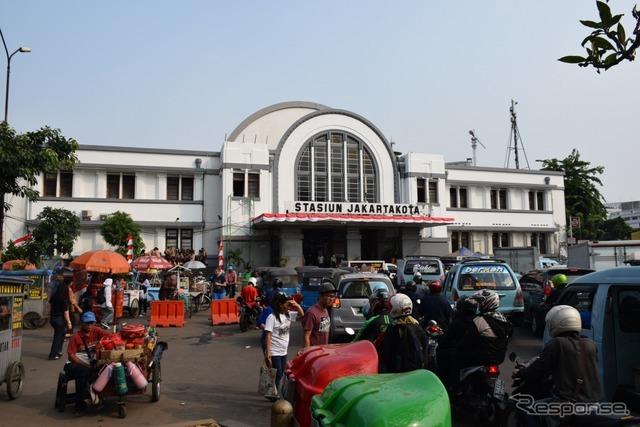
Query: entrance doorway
(369, 246)
(317, 247)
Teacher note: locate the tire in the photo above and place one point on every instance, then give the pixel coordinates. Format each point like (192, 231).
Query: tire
(155, 382)
(134, 308)
(244, 322)
(15, 380)
(122, 410)
(537, 325)
(205, 303)
(31, 320)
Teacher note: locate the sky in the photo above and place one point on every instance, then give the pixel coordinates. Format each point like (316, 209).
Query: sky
(184, 74)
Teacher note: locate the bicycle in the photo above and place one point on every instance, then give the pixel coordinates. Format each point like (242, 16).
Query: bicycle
(202, 301)
(189, 304)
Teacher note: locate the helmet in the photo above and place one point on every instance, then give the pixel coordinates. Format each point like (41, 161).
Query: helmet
(435, 287)
(466, 305)
(276, 282)
(563, 318)
(411, 286)
(401, 305)
(253, 281)
(417, 277)
(326, 287)
(379, 300)
(559, 280)
(487, 300)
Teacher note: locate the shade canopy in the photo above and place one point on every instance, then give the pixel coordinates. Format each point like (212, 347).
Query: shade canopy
(147, 262)
(17, 264)
(101, 261)
(194, 265)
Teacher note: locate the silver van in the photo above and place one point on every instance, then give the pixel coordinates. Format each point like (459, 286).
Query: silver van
(430, 267)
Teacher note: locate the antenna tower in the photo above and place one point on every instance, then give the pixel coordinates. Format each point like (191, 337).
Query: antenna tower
(514, 137)
(474, 145)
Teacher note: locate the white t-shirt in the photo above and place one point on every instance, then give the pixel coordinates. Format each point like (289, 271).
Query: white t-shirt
(279, 334)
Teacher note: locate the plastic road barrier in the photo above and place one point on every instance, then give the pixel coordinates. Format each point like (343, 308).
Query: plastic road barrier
(224, 312)
(167, 313)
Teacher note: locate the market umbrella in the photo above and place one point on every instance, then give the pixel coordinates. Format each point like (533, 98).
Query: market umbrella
(101, 261)
(194, 265)
(17, 264)
(147, 262)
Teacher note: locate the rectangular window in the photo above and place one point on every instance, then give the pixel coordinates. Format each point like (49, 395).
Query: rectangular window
(50, 184)
(353, 190)
(433, 192)
(539, 240)
(66, 184)
(238, 184)
(304, 188)
(254, 184)
(422, 195)
(536, 200)
(540, 200)
(173, 187)
(370, 191)
(453, 198)
(187, 188)
(128, 186)
(463, 198)
(113, 186)
(186, 238)
(172, 238)
(459, 239)
(499, 199)
(500, 240)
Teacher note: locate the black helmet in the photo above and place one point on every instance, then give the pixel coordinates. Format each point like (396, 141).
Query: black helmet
(379, 300)
(276, 282)
(466, 305)
(326, 287)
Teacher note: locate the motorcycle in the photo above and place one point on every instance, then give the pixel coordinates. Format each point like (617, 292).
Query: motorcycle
(434, 332)
(525, 393)
(248, 316)
(482, 393)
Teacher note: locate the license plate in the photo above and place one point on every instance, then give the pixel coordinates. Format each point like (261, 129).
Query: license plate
(498, 389)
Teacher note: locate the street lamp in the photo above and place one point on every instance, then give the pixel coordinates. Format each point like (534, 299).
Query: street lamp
(21, 49)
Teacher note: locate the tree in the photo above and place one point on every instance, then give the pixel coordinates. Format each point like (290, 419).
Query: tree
(23, 157)
(608, 44)
(616, 229)
(115, 230)
(582, 197)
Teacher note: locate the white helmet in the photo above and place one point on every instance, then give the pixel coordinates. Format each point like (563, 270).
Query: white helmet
(563, 318)
(401, 305)
(253, 281)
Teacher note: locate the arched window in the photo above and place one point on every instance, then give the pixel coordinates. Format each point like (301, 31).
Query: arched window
(336, 167)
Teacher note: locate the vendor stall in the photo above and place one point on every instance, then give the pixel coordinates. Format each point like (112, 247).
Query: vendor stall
(12, 291)
(35, 305)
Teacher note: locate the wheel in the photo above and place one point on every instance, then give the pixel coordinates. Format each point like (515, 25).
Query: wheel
(244, 322)
(134, 308)
(205, 302)
(196, 303)
(15, 380)
(122, 410)
(31, 320)
(537, 325)
(155, 382)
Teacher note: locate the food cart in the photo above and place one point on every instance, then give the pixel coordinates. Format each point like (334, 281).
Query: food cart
(11, 298)
(35, 305)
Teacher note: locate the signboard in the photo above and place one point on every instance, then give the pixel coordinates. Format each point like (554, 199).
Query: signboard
(395, 209)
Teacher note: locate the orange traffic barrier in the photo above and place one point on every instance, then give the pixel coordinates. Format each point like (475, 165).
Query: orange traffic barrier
(224, 312)
(167, 313)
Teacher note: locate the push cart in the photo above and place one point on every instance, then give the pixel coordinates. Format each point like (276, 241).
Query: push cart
(35, 306)
(11, 298)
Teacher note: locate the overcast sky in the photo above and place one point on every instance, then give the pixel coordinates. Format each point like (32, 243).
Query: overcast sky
(183, 74)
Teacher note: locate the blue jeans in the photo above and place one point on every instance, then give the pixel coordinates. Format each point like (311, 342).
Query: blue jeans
(59, 324)
(279, 362)
(218, 295)
(107, 315)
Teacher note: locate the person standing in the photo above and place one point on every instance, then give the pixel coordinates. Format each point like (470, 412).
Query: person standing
(232, 281)
(316, 322)
(144, 293)
(59, 317)
(277, 328)
(219, 282)
(107, 305)
(75, 311)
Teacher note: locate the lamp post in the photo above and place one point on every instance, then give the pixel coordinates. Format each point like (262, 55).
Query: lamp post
(21, 49)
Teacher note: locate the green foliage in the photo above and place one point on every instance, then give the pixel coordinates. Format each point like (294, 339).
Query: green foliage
(616, 229)
(608, 44)
(582, 197)
(57, 232)
(16, 252)
(234, 256)
(115, 230)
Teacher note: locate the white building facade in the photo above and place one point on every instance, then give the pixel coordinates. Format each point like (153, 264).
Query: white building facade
(296, 183)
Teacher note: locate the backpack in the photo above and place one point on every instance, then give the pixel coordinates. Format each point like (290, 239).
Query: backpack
(411, 350)
(100, 297)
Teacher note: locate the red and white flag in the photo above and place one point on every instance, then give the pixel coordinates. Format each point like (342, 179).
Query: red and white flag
(22, 239)
(129, 248)
(220, 254)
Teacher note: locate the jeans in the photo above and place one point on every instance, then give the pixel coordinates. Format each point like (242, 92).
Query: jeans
(82, 375)
(231, 291)
(59, 324)
(107, 315)
(143, 305)
(279, 362)
(218, 295)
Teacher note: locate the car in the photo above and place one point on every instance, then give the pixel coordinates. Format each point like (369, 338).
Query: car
(609, 306)
(474, 274)
(312, 279)
(353, 291)
(536, 285)
(430, 267)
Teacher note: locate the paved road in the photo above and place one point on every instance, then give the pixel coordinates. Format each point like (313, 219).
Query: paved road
(204, 376)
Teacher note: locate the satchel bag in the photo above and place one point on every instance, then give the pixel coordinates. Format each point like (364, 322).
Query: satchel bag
(267, 382)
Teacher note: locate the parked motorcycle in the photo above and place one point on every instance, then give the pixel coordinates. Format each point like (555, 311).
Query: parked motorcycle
(525, 393)
(248, 317)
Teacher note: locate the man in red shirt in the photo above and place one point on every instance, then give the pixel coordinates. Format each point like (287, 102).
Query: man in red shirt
(81, 353)
(250, 295)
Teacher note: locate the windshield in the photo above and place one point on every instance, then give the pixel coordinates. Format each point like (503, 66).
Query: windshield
(424, 266)
(361, 288)
(476, 277)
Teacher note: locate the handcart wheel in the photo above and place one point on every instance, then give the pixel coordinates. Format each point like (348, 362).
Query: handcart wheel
(15, 380)
(31, 320)
(134, 308)
(155, 382)
(205, 303)
(122, 410)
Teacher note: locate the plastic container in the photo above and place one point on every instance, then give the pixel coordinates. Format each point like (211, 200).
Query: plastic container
(293, 315)
(415, 398)
(136, 375)
(120, 378)
(103, 378)
(315, 367)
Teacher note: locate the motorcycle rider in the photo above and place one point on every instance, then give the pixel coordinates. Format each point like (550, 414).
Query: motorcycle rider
(421, 288)
(571, 360)
(411, 290)
(466, 309)
(405, 343)
(276, 285)
(436, 307)
(378, 319)
(250, 296)
(559, 282)
(484, 344)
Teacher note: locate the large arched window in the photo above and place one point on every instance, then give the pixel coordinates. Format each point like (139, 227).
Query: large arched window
(337, 167)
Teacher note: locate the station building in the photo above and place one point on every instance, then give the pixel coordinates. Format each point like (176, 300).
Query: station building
(298, 182)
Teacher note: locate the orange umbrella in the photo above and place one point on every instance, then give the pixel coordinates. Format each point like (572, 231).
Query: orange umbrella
(17, 264)
(101, 261)
(150, 262)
